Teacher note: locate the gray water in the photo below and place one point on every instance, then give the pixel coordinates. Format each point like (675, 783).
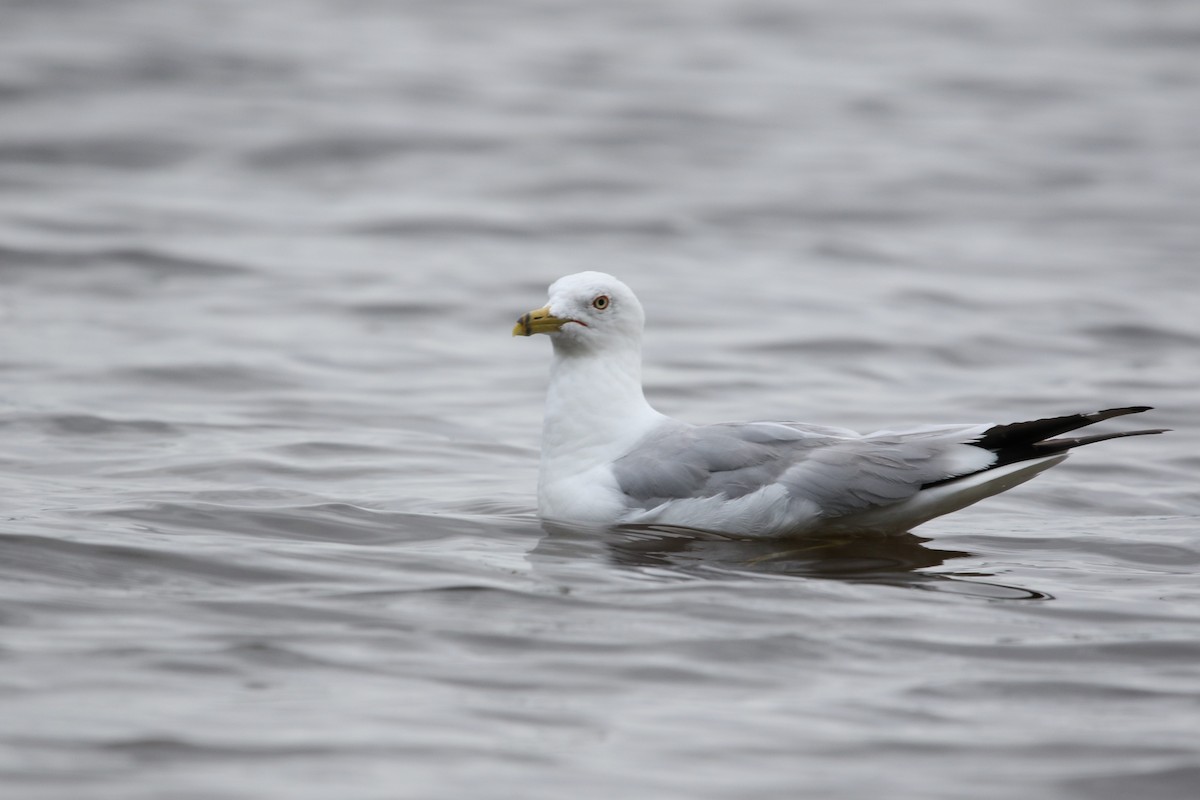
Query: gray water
(269, 451)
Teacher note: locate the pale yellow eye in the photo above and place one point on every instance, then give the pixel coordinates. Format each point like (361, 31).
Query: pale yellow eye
(601, 302)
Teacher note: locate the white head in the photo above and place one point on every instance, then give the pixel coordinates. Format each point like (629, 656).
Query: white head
(588, 311)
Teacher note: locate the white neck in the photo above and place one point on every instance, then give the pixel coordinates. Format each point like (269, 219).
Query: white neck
(595, 412)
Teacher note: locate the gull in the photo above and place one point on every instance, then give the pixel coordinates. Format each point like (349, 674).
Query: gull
(609, 458)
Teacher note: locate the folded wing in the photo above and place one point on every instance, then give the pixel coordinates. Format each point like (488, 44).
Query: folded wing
(796, 471)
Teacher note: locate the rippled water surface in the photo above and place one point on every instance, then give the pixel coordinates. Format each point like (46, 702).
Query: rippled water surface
(269, 451)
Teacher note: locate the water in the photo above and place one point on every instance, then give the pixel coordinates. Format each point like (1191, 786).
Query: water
(269, 451)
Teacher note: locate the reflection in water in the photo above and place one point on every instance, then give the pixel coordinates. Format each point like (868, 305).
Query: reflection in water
(896, 559)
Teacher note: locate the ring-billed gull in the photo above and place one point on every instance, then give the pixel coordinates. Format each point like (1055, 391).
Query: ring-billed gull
(609, 458)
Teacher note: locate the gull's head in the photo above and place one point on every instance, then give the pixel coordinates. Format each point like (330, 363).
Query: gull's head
(587, 311)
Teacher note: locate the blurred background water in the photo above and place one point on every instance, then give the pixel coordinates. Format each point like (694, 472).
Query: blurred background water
(269, 452)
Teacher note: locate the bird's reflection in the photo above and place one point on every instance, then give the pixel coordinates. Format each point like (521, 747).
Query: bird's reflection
(896, 559)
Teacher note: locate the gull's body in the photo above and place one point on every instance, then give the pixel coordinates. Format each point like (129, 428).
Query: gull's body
(609, 458)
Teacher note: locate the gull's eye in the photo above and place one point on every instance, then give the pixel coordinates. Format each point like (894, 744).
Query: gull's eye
(601, 302)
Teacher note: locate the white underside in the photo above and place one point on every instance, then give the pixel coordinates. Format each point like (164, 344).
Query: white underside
(939, 500)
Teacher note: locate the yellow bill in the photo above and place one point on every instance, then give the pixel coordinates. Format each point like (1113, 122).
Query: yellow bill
(540, 321)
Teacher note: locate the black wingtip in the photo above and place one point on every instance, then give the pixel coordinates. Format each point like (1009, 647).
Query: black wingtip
(1109, 413)
(1021, 441)
(1052, 446)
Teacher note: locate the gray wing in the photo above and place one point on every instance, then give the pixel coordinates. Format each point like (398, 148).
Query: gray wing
(840, 471)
